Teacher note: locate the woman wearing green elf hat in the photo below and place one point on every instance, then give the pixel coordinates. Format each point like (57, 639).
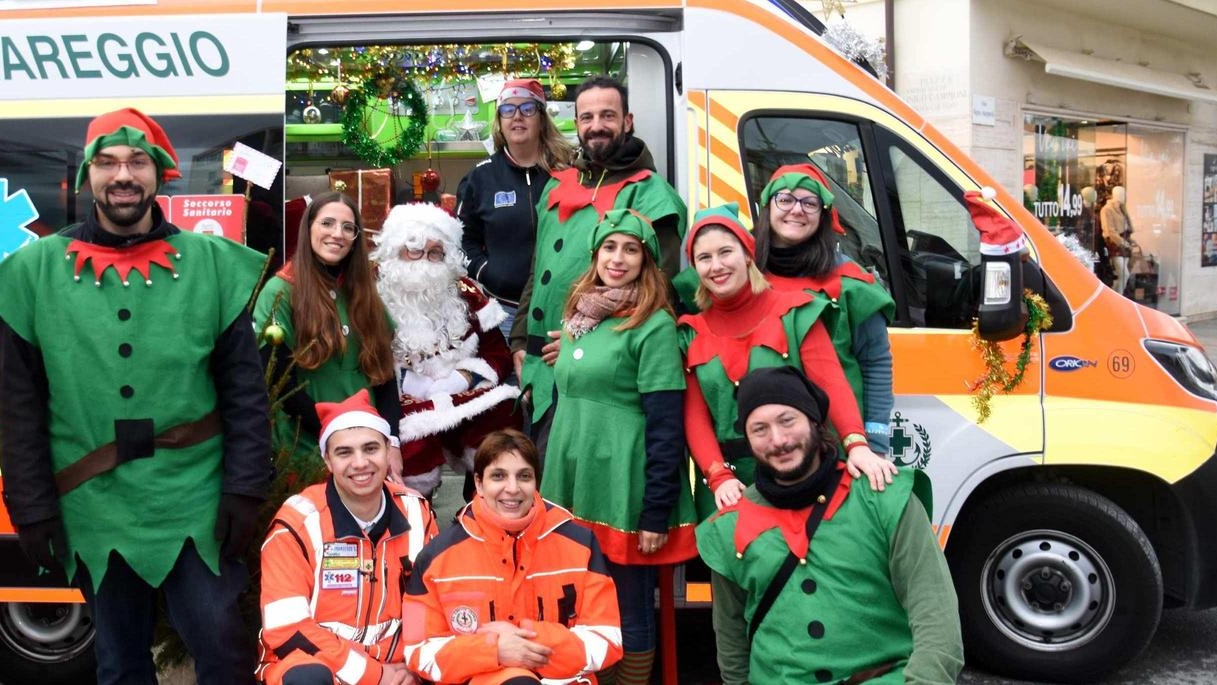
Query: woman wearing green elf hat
(616, 451)
(745, 324)
(796, 248)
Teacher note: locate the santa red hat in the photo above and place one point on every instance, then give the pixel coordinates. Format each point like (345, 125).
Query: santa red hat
(354, 412)
(522, 88)
(999, 235)
(133, 128)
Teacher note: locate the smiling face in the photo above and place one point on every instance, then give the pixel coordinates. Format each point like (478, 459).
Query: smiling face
(123, 181)
(619, 260)
(330, 233)
(601, 121)
(791, 221)
(508, 485)
(721, 262)
(358, 458)
(781, 439)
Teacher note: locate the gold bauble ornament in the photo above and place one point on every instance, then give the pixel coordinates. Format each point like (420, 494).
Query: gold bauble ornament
(339, 94)
(558, 91)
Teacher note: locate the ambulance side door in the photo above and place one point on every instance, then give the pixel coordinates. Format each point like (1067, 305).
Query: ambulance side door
(900, 200)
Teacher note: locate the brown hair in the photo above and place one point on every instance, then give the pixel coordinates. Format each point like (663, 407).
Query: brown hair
(315, 313)
(501, 442)
(819, 252)
(556, 153)
(755, 278)
(652, 291)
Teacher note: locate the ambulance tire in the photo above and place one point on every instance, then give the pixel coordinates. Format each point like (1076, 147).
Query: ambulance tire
(1055, 583)
(46, 643)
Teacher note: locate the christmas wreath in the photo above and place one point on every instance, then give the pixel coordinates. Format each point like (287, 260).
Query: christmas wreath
(997, 377)
(381, 101)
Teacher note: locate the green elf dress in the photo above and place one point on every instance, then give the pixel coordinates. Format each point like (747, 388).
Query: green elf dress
(610, 462)
(132, 360)
(568, 214)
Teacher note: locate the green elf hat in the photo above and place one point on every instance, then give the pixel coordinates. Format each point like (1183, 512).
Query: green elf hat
(629, 222)
(805, 176)
(133, 128)
(726, 216)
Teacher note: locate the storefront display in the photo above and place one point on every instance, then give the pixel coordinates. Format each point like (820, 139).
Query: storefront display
(1117, 188)
(1208, 221)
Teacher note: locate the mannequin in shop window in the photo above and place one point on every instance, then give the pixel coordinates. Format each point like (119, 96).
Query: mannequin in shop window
(1090, 234)
(1117, 232)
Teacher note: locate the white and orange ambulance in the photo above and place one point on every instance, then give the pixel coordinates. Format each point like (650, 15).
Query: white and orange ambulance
(1081, 508)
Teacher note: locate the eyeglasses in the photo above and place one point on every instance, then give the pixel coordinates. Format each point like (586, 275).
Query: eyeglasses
(528, 109)
(110, 165)
(435, 254)
(786, 202)
(349, 230)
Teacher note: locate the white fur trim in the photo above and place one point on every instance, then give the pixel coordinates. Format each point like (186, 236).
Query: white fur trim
(445, 416)
(412, 225)
(1009, 248)
(353, 419)
(479, 366)
(490, 316)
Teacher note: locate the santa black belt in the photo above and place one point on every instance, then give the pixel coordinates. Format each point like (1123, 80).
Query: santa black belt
(134, 440)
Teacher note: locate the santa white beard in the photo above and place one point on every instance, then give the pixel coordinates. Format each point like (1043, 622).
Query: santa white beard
(432, 319)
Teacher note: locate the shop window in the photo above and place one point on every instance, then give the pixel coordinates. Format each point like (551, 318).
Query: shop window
(941, 267)
(835, 148)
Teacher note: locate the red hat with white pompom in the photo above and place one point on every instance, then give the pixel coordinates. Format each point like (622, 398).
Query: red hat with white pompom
(522, 88)
(999, 235)
(354, 412)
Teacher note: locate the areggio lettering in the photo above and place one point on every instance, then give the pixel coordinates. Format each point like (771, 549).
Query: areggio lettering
(1068, 363)
(79, 56)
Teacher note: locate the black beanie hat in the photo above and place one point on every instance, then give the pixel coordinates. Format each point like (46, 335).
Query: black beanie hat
(779, 385)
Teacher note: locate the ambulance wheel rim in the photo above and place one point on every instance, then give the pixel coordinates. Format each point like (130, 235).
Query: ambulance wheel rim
(47, 633)
(1047, 590)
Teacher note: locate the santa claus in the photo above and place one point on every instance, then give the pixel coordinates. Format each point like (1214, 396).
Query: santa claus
(450, 354)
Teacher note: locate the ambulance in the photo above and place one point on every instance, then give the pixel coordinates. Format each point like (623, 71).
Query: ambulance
(1082, 507)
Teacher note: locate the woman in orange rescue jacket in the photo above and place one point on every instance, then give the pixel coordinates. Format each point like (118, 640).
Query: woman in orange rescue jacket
(516, 591)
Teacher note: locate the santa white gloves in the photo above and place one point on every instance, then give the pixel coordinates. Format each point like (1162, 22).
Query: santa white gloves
(423, 387)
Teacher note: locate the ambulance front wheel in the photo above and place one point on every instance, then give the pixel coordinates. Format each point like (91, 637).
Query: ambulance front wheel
(46, 643)
(1055, 583)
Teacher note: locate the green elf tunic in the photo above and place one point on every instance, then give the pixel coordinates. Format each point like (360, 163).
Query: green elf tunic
(596, 464)
(568, 212)
(873, 590)
(718, 360)
(855, 299)
(335, 380)
(127, 353)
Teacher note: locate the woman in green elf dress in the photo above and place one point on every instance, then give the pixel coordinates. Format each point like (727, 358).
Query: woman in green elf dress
(321, 322)
(616, 454)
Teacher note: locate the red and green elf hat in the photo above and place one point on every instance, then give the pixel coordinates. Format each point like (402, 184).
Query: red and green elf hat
(629, 222)
(133, 128)
(805, 176)
(726, 216)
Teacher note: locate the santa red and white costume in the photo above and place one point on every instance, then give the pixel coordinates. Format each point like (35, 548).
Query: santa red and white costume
(452, 359)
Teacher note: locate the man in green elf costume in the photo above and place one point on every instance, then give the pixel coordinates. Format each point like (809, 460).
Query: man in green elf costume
(134, 424)
(614, 170)
(864, 590)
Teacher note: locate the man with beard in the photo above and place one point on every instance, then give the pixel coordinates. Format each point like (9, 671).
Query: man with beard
(614, 170)
(864, 590)
(134, 421)
(451, 356)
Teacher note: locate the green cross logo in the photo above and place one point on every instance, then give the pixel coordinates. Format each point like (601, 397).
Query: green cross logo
(901, 440)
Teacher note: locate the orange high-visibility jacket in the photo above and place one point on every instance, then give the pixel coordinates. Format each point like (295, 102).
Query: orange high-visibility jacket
(328, 592)
(551, 579)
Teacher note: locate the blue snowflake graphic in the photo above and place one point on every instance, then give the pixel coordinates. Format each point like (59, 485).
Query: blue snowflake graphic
(16, 212)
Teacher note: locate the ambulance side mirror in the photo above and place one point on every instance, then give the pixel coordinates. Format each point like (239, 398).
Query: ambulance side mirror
(1002, 314)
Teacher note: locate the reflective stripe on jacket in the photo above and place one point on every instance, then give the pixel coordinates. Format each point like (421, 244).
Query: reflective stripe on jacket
(328, 591)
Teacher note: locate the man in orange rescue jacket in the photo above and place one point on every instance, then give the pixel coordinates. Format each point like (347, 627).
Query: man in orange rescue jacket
(336, 562)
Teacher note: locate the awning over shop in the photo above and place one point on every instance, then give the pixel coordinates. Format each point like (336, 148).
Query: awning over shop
(1111, 72)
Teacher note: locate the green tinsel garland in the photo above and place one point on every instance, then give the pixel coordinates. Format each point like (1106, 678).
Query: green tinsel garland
(354, 131)
(997, 378)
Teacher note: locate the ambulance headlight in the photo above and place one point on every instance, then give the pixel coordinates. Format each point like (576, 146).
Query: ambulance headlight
(997, 282)
(1187, 365)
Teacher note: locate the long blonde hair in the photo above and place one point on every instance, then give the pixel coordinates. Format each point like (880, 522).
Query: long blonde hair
(756, 279)
(652, 291)
(556, 153)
